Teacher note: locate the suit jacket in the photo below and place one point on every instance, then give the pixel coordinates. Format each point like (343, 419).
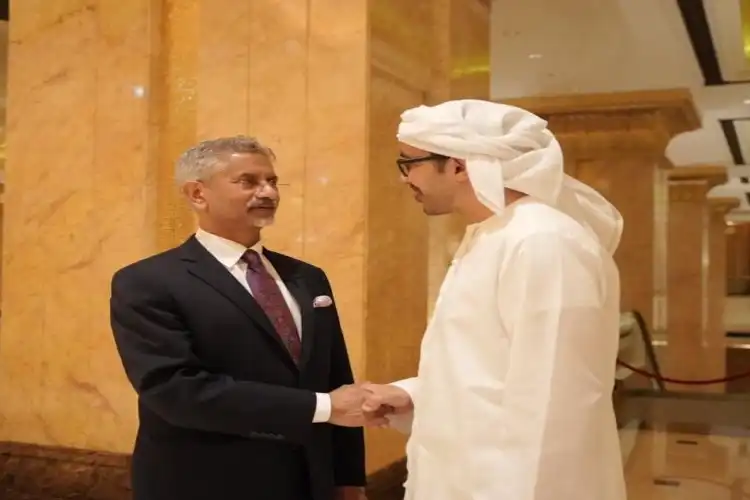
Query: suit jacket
(224, 411)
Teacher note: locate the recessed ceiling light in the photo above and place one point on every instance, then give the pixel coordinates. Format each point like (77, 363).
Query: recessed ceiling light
(746, 101)
(539, 56)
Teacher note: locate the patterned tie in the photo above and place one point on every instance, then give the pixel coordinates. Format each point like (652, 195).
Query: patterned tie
(269, 297)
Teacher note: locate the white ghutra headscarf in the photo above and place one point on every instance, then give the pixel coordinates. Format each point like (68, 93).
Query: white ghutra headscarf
(508, 147)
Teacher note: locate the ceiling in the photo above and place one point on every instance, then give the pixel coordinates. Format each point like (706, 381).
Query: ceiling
(585, 46)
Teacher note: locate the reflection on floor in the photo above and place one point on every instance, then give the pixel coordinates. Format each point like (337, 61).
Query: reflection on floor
(675, 464)
(672, 465)
(667, 462)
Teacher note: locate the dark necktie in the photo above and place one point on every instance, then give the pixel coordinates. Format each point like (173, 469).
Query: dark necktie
(269, 297)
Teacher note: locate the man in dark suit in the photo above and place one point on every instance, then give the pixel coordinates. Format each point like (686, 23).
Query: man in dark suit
(236, 352)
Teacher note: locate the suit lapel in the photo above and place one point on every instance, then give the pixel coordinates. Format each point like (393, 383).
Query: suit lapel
(290, 274)
(201, 264)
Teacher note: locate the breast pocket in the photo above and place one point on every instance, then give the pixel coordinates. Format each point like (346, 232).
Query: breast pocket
(323, 312)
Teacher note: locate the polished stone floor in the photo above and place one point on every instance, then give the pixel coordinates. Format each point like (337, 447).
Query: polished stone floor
(660, 464)
(666, 465)
(710, 460)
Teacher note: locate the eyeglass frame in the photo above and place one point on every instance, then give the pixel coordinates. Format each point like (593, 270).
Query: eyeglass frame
(405, 164)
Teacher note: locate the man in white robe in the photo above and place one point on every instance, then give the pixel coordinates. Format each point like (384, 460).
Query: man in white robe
(513, 397)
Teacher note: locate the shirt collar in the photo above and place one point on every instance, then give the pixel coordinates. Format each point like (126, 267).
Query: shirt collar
(226, 251)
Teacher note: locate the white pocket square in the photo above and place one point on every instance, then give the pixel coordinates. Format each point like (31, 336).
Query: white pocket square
(322, 301)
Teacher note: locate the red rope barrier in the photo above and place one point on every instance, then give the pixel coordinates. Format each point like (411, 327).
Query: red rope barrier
(728, 378)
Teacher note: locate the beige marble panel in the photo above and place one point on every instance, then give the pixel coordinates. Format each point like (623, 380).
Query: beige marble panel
(696, 348)
(718, 274)
(336, 164)
(174, 83)
(470, 49)
(687, 332)
(738, 253)
(77, 139)
(396, 263)
(222, 67)
(413, 47)
(462, 58)
(277, 107)
(407, 26)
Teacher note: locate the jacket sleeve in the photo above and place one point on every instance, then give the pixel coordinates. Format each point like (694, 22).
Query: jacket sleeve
(154, 345)
(348, 442)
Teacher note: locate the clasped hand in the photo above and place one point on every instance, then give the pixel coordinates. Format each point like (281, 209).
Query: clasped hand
(367, 404)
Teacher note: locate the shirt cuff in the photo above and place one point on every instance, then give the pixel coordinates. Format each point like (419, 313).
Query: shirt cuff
(409, 385)
(322, 408)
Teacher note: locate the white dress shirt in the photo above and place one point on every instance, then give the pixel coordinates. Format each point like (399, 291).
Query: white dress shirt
(229, 254)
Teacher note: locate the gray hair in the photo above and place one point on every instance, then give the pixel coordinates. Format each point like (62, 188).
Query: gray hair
(202, 160)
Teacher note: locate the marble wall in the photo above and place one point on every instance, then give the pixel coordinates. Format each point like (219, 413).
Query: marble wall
(104, 95)
(93, 131)
(416, 50)
(696, 284)
(80, 197)
(463, 59)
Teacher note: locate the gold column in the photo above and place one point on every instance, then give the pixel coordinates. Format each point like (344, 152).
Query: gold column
(463, 61)
(615, 143)
(82, 178)
(395, 281)
(416, 48)
(738, 256)
(694, 349)
(717, 267)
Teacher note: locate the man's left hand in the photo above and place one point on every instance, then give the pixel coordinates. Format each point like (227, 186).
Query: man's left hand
(350, 493)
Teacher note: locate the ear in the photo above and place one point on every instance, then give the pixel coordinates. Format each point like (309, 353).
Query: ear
(461, 174)
(193, 191)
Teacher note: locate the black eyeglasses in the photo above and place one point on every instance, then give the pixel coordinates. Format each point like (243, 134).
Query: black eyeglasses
(405, 164)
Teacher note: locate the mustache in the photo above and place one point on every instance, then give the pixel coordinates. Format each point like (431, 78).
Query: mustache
(263, 204)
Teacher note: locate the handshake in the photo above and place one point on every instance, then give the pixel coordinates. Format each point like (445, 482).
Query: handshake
(367, 404)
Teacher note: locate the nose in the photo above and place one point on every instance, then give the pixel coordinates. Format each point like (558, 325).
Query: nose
(404, 179)
(266, 190)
